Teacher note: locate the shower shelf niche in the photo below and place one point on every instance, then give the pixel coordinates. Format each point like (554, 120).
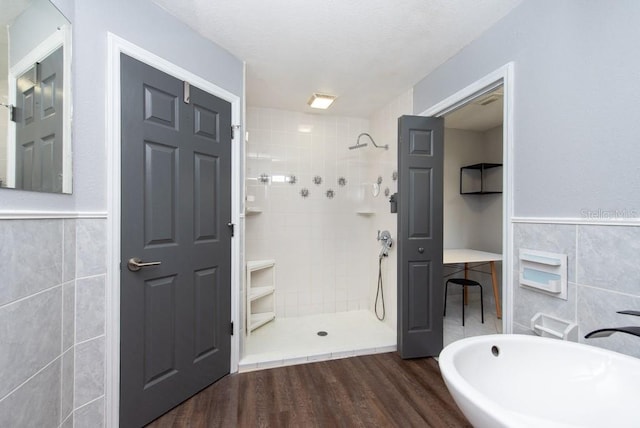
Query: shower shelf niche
(252, 211)
(261, 288)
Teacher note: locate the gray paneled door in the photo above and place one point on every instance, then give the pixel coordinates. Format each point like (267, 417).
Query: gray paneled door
(39, 94)
(420, 181)
(176, 202)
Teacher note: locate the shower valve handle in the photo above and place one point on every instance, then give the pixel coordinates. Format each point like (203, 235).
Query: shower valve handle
(385, 236)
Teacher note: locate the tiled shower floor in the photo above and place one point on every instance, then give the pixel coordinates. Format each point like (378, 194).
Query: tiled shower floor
(287, 341)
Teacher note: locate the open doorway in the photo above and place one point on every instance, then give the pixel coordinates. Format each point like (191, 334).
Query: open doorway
(422, 144)
(502, 77)
(473, 216)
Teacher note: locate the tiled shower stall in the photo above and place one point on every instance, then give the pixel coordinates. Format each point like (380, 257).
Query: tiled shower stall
(310, 206)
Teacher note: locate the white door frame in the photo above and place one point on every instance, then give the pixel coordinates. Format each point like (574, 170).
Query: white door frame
(116, 46)
(502, 76)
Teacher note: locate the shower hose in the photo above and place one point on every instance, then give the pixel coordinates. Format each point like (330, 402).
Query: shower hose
(379, 292)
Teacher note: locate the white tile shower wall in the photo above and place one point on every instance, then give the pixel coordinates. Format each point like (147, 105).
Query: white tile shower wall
(319, 243)
(383, 163)
(604, 278)
(52, 314)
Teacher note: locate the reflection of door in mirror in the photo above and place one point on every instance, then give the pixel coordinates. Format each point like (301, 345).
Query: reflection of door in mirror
(39, 126)
(35, 97)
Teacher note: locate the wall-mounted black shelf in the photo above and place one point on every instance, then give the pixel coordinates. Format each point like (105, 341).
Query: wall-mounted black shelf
(471, 175)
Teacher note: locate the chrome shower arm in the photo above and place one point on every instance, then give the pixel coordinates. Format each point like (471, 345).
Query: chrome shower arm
(386, 146)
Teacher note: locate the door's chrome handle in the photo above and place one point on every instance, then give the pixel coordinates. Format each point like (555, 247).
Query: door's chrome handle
(135, 264)
(421, 250)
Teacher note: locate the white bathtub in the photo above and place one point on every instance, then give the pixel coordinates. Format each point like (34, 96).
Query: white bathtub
(530, 381)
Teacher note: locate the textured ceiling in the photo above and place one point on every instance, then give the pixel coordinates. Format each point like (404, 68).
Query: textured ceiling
(364, 51)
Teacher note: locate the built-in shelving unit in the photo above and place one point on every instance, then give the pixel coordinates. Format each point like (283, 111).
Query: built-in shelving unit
(261, 288)
(474, 179)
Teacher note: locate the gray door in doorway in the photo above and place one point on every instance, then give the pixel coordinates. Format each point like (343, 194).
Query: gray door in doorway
(420, 188)
(176, 203)
(39, 99)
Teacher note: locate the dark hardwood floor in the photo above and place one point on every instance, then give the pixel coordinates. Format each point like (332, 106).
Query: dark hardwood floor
(379, 390)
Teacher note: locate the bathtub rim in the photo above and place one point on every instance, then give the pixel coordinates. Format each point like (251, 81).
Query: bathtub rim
(471, 399)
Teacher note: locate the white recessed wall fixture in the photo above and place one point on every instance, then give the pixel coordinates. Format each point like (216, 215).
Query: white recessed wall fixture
(321, 101)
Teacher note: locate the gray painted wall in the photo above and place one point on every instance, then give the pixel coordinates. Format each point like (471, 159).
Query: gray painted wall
(576, 96)
(148, 26)
(66, 7)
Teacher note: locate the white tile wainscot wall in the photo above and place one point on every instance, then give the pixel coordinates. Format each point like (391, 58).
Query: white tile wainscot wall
(52, 313)
(383, 163)
(604, 277)
(320, 244)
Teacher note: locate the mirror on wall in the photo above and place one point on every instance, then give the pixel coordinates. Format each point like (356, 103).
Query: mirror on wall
(35, 97)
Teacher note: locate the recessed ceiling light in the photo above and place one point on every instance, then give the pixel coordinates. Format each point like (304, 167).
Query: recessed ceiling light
(322, 101)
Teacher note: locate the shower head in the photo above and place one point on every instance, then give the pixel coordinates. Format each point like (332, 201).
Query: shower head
(357, 146)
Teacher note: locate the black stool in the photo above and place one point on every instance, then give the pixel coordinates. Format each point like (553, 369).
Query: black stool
(464, 283)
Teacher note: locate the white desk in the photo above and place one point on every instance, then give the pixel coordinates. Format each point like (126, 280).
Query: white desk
(466, 256)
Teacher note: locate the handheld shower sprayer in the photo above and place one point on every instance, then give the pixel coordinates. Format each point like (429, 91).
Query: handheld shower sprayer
(387, 242)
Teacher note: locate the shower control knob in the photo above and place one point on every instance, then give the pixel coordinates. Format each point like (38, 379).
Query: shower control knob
(421, 250)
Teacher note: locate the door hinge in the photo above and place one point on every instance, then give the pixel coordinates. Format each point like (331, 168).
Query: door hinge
(231, 228)
(231, 328)
(233, 131)
(187, 92)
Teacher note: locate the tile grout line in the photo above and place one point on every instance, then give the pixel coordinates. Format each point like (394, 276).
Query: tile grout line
(30, 378)
(29, 296)
(88, 402)
(75, 319)
(62, 318)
